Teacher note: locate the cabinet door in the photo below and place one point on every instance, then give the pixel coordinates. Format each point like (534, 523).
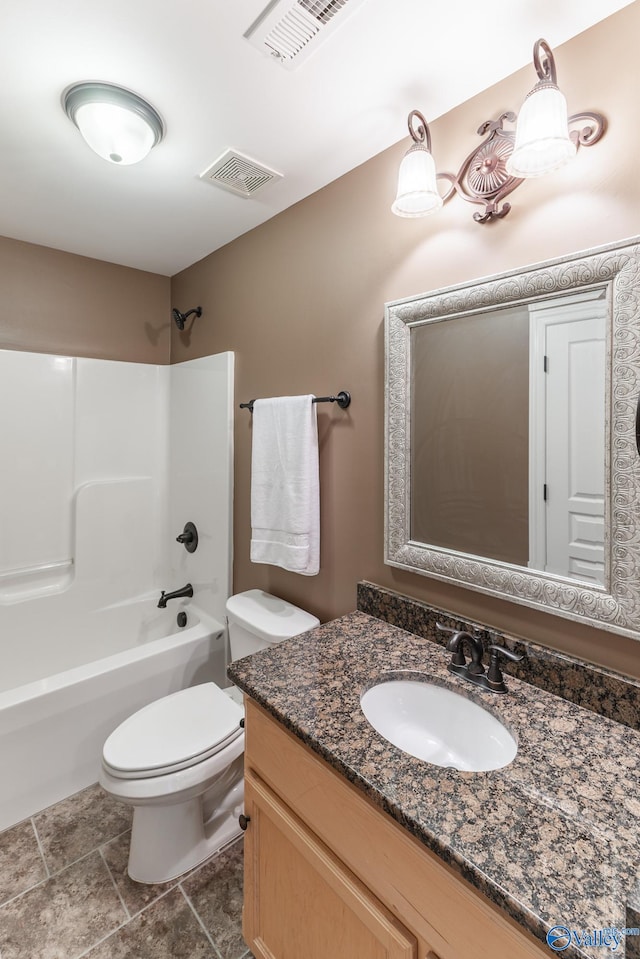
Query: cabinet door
(300, 901)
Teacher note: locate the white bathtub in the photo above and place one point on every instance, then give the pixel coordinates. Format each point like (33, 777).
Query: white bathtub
(52, 728)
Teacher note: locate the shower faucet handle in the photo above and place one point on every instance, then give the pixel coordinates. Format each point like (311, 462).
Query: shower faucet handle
(189, 538)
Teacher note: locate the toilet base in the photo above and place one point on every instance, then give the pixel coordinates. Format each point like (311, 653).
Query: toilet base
(167, 846)
(169, 840)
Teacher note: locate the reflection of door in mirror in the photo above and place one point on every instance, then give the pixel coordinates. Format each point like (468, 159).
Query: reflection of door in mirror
(567, 437)
(491, 432)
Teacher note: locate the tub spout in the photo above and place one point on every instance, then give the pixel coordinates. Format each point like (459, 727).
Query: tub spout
(177, 594)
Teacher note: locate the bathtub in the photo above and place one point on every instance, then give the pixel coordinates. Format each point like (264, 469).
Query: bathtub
(53, 725)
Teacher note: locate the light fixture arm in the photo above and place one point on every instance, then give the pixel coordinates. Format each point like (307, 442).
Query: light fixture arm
(544, 63)
(482, 178)
(590, 134)
(420, 134)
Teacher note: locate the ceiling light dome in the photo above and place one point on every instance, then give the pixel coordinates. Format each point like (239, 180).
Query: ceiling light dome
(117, 124)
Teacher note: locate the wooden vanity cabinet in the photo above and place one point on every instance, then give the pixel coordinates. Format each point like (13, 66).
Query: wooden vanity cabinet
(301, 900)
(330, 876)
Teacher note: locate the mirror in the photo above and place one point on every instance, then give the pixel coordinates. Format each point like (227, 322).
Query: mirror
(510, 449)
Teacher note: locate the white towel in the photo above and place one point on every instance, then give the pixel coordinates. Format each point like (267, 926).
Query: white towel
(285, 487)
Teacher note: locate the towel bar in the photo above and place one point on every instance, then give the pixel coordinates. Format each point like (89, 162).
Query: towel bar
(343, 399)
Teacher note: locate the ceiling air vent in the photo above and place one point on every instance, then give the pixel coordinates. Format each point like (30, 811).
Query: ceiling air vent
(239, 174)
(290, 30)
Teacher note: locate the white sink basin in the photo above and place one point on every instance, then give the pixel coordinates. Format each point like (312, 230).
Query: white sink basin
(435, 724)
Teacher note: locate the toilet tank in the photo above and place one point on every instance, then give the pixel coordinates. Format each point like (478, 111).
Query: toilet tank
(258, 619)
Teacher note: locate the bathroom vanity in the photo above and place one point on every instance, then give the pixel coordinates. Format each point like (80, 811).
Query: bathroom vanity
(328, 874)
(354, 848)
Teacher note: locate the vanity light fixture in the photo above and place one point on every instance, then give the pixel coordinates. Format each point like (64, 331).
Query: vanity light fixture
(417, 188)
(541, 142)
(116, 123)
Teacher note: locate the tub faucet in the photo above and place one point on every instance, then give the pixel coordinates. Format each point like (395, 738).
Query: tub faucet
(177, 594)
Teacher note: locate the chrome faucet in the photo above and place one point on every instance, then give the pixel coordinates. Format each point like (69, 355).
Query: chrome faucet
(177, 594)
(474, 671)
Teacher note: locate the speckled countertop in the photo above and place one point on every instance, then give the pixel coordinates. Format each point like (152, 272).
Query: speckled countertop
(553, 838)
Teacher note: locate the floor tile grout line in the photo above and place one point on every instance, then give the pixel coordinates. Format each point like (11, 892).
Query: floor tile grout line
(84, 855)
(50, 878)
(200, 923)
(115, 885)
(99, 942)
(106, 842)
(19, 895)
(40, 847)
(112, 931)
(54, 875)
(121, 926)
(5, 902)
(51, 874)
(66, 799)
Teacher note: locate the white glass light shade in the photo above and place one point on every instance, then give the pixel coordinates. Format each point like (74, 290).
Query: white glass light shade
(542, 134)
(116, 123)
(115, 133)
(417, 190)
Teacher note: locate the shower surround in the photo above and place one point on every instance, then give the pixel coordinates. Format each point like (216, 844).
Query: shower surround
(105, 462)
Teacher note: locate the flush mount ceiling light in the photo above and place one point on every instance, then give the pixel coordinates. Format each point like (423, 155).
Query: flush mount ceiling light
(541, 142)
(117, 124)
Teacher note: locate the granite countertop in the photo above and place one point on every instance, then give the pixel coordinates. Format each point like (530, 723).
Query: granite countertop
(552, 839)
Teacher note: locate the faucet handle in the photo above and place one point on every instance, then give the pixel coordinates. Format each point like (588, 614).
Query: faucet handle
(189, 538)
(503, 651)
(494, 675)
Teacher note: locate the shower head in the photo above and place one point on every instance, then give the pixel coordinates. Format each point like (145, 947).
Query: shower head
(180, 318)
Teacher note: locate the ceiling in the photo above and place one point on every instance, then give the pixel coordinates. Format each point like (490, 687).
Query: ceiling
(345, 103)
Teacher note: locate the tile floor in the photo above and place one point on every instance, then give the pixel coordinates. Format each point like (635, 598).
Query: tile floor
(65, 893)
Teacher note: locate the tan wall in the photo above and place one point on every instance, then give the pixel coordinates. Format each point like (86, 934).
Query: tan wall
(55, 302)
(300, 301)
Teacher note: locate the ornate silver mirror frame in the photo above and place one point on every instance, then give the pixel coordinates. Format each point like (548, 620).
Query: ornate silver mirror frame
(616, 606)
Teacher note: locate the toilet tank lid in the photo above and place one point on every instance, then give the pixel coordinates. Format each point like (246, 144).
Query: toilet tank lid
(270, 618)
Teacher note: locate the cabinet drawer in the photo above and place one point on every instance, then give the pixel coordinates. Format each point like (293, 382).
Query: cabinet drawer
(424, 893)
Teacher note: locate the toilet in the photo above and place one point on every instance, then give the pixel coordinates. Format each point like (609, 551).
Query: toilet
(179, 760)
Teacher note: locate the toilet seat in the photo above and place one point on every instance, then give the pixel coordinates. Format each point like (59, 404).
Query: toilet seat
(173, 733)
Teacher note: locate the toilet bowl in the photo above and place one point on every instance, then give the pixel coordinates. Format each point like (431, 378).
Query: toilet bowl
(179, 760)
